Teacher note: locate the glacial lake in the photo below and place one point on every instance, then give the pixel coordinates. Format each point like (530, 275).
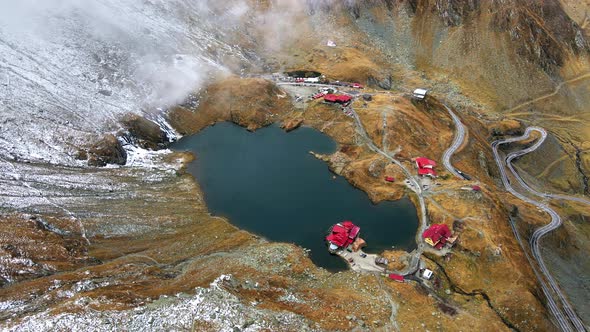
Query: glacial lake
(268, 183)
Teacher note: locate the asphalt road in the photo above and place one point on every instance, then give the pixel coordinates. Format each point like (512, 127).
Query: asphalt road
(565, 316)
(514, 155)
(457, 141)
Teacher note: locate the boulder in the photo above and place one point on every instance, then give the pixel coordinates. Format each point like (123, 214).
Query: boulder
(108, 150)
(144, 132)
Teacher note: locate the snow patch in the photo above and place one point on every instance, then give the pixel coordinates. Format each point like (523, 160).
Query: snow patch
(216, 283)
(171, 133)
(10, 305)
(145, 158)
(212, 306)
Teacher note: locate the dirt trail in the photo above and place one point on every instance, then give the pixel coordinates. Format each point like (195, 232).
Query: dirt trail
(557, 88)
(394, 306)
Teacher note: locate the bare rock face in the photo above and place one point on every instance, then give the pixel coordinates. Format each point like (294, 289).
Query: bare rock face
(383, 82)
(542, 31)
(107, 151)
(542, 41)
(455, 12)
(146, 133)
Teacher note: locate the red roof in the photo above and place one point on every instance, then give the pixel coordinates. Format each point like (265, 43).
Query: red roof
(425, 162)
(426, 171)
(357, 85)
(389, 179)
(396, 277)
(337, 98)
(476, 188)
(346, 224)
(343, 234)
(437, 235)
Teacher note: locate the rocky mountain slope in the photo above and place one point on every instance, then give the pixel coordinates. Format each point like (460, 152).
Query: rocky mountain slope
(132, 244)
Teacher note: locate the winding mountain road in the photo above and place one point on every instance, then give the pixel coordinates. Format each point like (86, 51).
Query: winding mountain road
(564, 315)
(514, 155)
(566, 318)
(457, 142)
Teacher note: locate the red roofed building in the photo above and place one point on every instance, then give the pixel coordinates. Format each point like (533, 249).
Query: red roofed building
(342, 235)
(340, 99)
(427, 172)
(422, 162)
(425, 167)
(396, 277)
(437, 235)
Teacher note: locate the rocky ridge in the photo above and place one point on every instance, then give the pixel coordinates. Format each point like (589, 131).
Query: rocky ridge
(123, 210)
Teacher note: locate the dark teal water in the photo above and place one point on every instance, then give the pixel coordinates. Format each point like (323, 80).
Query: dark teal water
(266, 182)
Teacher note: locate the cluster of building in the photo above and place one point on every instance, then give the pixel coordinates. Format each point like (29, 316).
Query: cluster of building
(426, 167)
(439, 236)
(313, 78)
(337, 98)
(307, 80)
(332, 96)
(343, 235)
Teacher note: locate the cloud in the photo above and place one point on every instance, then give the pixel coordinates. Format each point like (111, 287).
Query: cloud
(161, 49)
(145, 46)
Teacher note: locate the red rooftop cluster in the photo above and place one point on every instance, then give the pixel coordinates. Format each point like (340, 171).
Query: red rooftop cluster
(342, 235)
(426, 167)
(340, 99)
(438, 235)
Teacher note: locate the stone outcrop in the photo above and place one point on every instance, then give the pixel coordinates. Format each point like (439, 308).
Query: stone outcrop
(383, 82)
(108, 150)
(144, 132)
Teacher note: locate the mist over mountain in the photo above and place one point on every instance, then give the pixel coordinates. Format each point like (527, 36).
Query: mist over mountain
(102, 227)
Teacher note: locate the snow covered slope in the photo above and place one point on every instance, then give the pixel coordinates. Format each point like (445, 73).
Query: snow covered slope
(69, 69)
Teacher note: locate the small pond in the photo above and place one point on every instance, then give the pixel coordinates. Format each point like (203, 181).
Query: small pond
(268, 183)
